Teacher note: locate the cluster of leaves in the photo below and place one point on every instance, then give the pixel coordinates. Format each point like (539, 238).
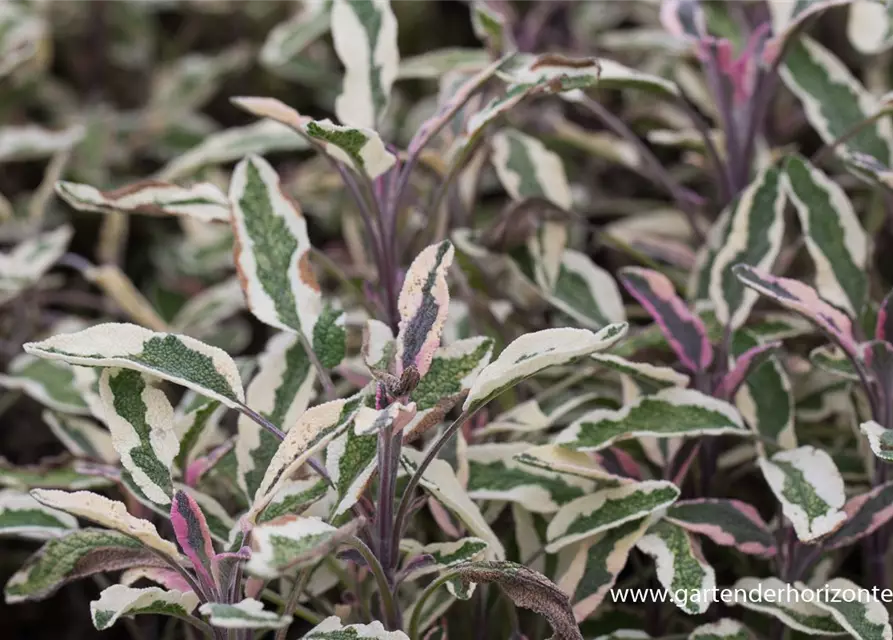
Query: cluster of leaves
(480, 430)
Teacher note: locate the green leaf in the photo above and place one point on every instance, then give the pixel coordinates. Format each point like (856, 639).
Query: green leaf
(807, 483)
(294, 498)
(865, 618)
(586, 292)
(272, 250)
(834, 236)
(180, 359)
(333, 629)
(141, 421)
(441, 555)
(647, 377)
(287, 40)
(73, 556)
(365, 36)
(672, 412)
(203, 201)
(280, 545)
(494, 473)
(832, 359)
(431, 65)
(765, 400)
(30, 259)
(533, 352)
(33, 142)
(730, 523)
(723, 629)
(330, 337)
(24, 517)
(787, 603)
(280, 391)
(119, 601)
(606, 509)
(866, 513)
(681, 569)
(247, 614)
(755, 234)
(50, 383)
(597, 563)
(834, 101)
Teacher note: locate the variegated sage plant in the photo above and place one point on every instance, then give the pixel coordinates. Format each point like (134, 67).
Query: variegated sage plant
(459, 416)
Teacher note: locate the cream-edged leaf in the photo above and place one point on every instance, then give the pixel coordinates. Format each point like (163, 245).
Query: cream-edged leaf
(51, 383)
(247, 614)
(788, 604)
(24, 517)
(281, 544)
(333, 629)
(533, 352)
(671, 412)
(606, 509)
(119, 601)
(423, 305)
(837, 243)
(880, 440)
(722, 629)
(755, 237)
(280, 391)
(681, 568)
(528, 169)
(365, 36)
(441, 555)
(30, 259)
(108, 513)
(440, 481)
(586, 292)
(141, 421)
(203, 201)
(82, 436)
(272, 249)
(863, 616)
(183, 360)
(810, 488)
(33, 142)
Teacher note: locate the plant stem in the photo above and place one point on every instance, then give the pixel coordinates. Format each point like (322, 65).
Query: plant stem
(388, 461)
(433, 450)
(324, 377)
(390, 613)
(293, 599)
(423, 599)
(829, 147)
(723, 180)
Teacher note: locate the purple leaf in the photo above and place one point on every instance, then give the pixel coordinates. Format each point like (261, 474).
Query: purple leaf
(194, 537)
(744, 364)
(683, 330)
(804, 300)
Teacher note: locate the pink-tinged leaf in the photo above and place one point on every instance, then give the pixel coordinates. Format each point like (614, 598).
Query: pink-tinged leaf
(620, 461)
(191, 530)
(682, 461)
(804, 300)
(200, 466)
(423, 305)
(683, 329)
(730, 523)
(884, 328)
(683, 19)
(866, 513)
(744, 364)
(167, 578)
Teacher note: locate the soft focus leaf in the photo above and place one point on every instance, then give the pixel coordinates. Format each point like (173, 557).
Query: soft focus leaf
(247, 614)
(119, 601)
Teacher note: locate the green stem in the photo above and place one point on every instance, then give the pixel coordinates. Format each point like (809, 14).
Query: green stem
(388, 604)
(416, 618)
(293, 599)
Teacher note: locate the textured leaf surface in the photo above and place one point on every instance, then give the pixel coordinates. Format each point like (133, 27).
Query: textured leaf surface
(119, 601)
(75, 555)
(865, 514)
(442, 555)
(141, 421)
(108, 513)
(272, 250)
(440, 481)
(802, 299)
(247, 614)
(798, 612)
(834, 101)
(423, 305)
(180, 359)
(282, 543)
(606, 509)
(834, 236)
(866, 618)
(494, 473)
(203, 201)
(313, 431)
(765, 399)
(669, 413)
(596, 565)
(333, 629)
(280, 391)
(365, 37)
(533, 352)
(680, 566)
(683, 329)
(568, 462)
(24, 517)
(648, 378)
(809, 486)
(50, 383)
(586, 292)
(730, 523)
(193, 535)
(755, 237)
